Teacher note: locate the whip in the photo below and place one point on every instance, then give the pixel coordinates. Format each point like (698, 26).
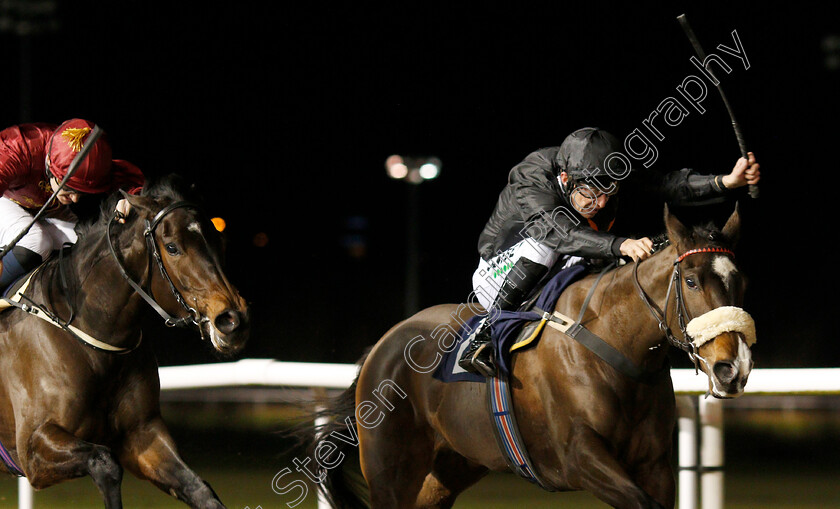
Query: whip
(753, 189)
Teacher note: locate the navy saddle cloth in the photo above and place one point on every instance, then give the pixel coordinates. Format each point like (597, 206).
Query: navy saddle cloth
(505, 329)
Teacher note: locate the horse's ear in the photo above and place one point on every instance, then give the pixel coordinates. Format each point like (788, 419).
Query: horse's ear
(732, 228)
(137, 202)
(132, 199)
(678, 234)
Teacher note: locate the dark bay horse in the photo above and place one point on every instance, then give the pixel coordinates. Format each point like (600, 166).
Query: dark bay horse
(586, 426)
(83, 398)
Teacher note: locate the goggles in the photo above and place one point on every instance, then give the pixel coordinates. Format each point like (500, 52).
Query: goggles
(67, 189)
(590, 192)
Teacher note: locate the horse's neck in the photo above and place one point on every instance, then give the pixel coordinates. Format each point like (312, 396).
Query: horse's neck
(105, 305)
(623, 319)
(654, 276)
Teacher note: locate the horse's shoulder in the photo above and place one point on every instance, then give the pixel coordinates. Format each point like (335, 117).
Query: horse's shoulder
(572, 297)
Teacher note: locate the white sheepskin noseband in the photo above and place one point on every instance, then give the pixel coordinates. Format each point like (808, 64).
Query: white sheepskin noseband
(710, 325)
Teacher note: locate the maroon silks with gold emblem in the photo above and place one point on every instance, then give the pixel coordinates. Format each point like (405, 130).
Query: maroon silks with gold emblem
(23, 151)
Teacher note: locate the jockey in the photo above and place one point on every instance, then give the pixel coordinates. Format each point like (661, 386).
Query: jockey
(558, 207)
(34, 158)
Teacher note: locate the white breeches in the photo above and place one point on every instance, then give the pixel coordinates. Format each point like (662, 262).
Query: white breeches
(489, 276)
(49, 233)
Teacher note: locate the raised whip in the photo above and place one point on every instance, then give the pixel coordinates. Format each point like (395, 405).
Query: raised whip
(753, 190)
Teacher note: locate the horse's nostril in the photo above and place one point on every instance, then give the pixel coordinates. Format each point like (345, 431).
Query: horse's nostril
(725, 371)
(228, 321)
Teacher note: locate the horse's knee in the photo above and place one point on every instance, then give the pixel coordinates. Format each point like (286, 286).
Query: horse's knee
(103, 467)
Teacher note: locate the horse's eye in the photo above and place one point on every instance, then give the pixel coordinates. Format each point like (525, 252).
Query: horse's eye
(172, 249)
(691, 283)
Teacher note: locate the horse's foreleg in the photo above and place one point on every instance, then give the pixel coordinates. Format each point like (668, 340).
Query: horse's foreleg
(149, 453)
(594, 468)
(52, 455)
(657, 480)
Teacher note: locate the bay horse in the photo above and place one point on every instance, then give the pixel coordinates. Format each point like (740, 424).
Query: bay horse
(81, 395)
(586, 425)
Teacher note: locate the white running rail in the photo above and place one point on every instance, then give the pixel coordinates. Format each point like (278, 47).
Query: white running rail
(706, 416)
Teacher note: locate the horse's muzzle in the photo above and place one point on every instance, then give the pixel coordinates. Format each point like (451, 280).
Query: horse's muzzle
(728, 377)
(725, 371)
(229, 331)
(228, 321)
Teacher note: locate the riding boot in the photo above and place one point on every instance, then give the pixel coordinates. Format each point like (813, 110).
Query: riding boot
(479, 356)
(16, 263)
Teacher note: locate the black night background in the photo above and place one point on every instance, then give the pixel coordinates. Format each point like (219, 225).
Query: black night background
(284, 113)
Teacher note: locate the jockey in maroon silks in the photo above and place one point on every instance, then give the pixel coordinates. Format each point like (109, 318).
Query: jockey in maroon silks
(34, 158)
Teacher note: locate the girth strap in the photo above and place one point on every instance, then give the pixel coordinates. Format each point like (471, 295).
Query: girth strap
(506, 431)
(13, 467)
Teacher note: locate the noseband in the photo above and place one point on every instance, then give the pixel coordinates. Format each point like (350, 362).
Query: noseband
(687, 344)
(193, 316)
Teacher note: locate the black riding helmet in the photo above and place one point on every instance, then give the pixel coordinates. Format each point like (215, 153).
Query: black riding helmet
(582, 156)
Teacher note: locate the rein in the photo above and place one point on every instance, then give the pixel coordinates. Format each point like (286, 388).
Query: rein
(687, 344)
(193, 316)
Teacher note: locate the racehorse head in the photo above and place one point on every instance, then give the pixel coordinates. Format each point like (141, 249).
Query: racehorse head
(709, 289)
(181, 257)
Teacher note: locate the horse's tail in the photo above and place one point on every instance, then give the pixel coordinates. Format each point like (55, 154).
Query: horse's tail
(343, 485)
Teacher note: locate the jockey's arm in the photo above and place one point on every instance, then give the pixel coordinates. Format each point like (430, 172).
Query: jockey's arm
(743, 173)
(563, 232)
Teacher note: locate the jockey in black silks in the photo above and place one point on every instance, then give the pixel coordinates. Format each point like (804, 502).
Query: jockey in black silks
(558, 208)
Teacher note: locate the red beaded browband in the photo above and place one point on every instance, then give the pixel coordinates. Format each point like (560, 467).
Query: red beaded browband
(705, 250)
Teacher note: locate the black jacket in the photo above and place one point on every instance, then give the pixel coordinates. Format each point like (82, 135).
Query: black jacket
(533, 205)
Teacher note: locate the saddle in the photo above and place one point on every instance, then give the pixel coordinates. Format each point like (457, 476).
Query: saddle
(511, 330)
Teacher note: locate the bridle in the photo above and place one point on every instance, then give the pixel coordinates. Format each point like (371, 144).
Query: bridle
(687, 344)
(193, 316)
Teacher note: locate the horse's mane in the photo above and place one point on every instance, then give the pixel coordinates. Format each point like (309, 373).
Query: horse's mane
(167, 189)
(171, 187)
(708, 235)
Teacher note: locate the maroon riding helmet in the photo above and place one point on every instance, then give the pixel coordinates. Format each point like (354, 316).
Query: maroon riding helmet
(94, 173)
